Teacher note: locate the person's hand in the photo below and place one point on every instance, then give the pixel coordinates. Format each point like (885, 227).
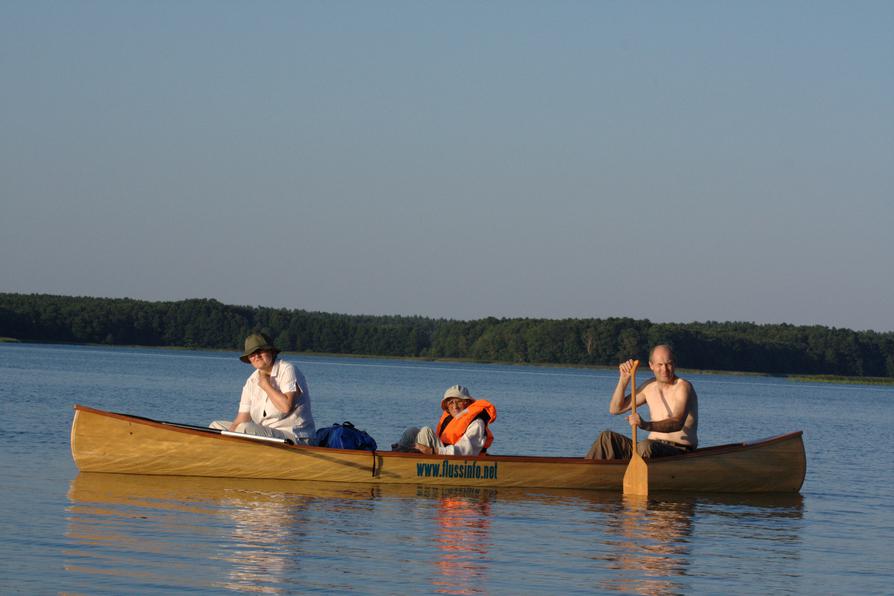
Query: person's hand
(264, 378)
(635, 420)
(624, 369)
(425, 449)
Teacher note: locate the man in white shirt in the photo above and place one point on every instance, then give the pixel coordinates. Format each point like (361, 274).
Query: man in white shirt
(275, 399)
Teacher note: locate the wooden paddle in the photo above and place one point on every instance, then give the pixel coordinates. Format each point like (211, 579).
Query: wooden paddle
(636, 478)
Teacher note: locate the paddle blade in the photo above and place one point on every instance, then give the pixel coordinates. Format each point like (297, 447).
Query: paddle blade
(636, 478)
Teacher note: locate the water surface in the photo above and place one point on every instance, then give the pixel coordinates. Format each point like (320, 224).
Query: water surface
(61, 531)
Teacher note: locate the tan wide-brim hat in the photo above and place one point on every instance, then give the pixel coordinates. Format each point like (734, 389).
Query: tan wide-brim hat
(255, 342)
(457, 391)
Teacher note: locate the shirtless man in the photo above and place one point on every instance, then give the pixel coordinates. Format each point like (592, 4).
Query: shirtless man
(673, 409)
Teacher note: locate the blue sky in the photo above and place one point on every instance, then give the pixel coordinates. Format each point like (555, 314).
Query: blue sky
(674, 161)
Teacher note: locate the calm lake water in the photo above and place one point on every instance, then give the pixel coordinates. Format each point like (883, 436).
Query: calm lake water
(61, 531)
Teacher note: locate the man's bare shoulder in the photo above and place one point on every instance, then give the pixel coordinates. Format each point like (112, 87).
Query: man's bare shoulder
(684, 385)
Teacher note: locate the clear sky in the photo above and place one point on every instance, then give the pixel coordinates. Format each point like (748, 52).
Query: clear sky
(674, 161)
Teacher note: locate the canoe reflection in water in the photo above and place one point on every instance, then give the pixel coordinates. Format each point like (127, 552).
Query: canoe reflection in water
(649, 541)
(265, 526)
(651, 546)
(130, 533)
(197, 533)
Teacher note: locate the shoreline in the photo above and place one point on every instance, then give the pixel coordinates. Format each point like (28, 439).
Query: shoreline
(795, 377)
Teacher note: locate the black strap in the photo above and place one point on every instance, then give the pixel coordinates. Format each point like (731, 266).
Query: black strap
(447, 421)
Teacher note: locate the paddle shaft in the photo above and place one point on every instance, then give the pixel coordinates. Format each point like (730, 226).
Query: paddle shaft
(633, 398)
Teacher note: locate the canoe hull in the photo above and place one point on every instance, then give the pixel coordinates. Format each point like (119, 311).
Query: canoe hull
(116, 443)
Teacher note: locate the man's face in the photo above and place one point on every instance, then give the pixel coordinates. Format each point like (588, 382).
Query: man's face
(662, 365)
(455, 406)
(261, 359)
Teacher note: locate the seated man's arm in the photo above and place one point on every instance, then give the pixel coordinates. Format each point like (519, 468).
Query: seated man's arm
(284, 401)
(620, 403)
(240, 418)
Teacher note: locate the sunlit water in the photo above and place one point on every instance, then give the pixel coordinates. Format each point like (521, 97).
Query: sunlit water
(61, 531)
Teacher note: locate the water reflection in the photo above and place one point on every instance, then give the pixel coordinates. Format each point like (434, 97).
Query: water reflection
(649, 546)
(462, 537)
(265, 526)
(650, 540)
(128, 533)
(245, 535)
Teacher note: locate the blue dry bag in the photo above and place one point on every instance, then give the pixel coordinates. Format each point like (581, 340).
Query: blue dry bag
(345, 436)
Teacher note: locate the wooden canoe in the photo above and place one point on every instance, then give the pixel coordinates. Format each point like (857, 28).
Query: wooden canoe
(117, 443)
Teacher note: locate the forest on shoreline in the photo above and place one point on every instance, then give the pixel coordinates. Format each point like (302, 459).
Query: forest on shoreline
(207, 323)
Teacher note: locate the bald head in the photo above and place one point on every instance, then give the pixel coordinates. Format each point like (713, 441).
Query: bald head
(662, 351)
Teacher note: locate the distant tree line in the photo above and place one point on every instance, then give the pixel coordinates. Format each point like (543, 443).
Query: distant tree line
(204, 323)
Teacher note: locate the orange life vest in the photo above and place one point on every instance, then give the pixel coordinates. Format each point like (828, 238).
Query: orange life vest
(451, 430)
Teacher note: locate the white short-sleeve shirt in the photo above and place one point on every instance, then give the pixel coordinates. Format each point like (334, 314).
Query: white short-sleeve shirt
(286, 377)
